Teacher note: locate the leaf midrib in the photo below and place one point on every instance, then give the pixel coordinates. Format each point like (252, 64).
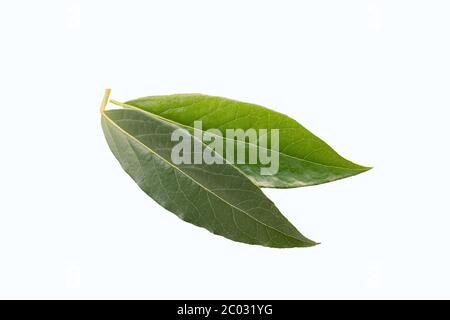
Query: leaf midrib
(202, 186)
(125, 105)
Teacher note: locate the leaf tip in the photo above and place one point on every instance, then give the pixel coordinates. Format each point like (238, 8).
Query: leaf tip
(307, 243)
(312, 243)
(366, 168)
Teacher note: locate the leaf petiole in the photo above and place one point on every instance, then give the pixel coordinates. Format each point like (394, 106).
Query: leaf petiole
(105, 100)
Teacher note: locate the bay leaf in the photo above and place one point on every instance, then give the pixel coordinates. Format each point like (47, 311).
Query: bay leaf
(217, 197)
(304, 159)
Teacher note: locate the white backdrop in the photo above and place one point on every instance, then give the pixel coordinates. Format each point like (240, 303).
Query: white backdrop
(371, 78)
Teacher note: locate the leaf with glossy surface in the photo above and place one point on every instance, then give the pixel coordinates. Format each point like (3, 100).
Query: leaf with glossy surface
(216, 197)
(304, 159)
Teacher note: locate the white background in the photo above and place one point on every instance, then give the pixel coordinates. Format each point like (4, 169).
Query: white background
(371, 78)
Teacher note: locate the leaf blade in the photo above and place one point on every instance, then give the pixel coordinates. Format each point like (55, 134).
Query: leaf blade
(305, 159)
(235, 207)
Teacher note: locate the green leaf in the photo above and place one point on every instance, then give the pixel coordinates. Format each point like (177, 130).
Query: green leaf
(304, 159)
(217, 197)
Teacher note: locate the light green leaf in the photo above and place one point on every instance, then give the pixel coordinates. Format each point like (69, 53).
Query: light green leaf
(304, 159)
(217, 197)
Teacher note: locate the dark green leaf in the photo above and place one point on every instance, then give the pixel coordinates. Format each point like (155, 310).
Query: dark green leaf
(216, 197)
